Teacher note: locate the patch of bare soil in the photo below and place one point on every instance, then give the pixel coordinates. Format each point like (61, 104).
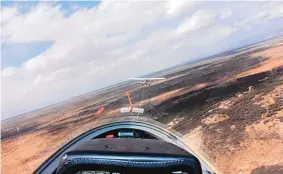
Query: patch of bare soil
(262, 146)
(215, 118)
(25, 153)
(274, 60)
(175, 121)
(270, 98)
(274, 169)
(247, 136)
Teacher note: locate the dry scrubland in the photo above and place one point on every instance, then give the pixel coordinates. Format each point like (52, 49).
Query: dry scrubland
(230, 108)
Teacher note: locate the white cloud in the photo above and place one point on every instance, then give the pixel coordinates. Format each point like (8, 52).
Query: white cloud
(179, 7)
(8, 13)
(103, 45)
(260, 14)
(199, 20)
(40, 23)
(226, 14)
(8, 71)
(222, 30)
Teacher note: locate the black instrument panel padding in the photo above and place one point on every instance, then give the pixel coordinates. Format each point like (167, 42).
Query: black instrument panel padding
(129, 146)
(131, 155)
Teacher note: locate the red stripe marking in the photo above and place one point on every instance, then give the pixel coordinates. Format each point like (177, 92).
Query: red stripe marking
(130, 101)
(99, 111)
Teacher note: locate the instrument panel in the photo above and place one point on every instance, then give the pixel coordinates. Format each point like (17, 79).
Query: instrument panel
(126, 133)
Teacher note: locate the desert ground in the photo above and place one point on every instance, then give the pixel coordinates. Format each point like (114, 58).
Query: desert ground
(229, 107)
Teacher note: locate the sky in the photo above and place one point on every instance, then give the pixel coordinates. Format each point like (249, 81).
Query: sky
(52, 51)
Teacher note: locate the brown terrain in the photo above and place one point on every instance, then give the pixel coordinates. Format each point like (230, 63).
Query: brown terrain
(229, 108)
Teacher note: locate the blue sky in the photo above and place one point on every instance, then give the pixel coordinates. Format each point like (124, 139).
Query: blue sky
(25, 51)
(25, 6)
(14, 54)
(52, 51)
